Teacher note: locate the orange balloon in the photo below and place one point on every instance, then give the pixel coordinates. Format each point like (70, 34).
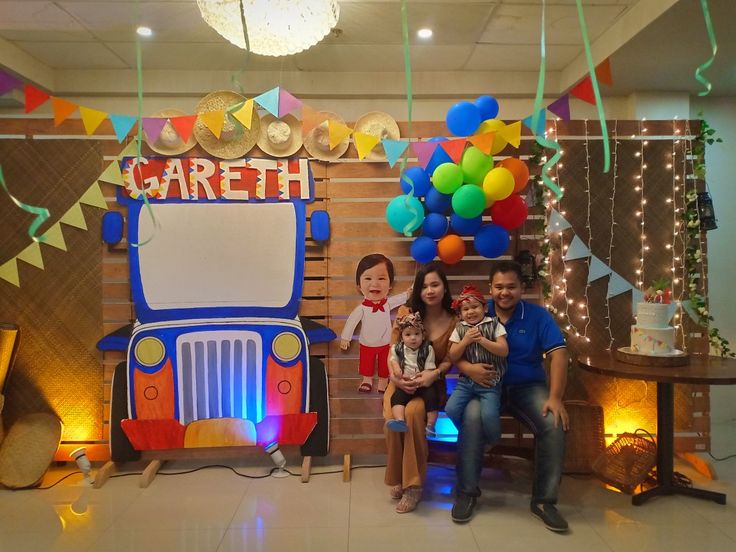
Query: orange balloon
(520, 171)
(451, 249)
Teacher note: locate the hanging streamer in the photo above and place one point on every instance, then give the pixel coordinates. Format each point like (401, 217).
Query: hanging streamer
(409, 106)
(714, 47)
(42, 214)
(541, 139)
(596, 90)
(235, 78)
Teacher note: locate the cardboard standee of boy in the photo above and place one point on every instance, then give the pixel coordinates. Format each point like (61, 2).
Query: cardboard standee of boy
(374, 277)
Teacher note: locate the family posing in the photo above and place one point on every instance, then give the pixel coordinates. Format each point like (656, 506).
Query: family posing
(499, 349)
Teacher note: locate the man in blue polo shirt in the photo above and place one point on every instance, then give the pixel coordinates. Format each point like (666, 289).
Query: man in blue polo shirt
(532, 335)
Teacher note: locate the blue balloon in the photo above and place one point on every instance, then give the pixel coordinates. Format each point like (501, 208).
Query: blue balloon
(419, 178)
(464, 226)
(438, 157)
(463, 119)
(424, 249)
(403, 218)
(437, 202)
(434, 226)
(488, 107)
(492, 241)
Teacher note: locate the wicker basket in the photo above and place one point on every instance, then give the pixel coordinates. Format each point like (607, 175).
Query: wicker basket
(585, 440)
(627, 461)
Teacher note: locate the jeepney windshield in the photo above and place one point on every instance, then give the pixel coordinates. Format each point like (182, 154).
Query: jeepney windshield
(217, 255)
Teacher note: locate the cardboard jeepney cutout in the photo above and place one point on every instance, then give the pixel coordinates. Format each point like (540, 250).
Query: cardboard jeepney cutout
(218, 355)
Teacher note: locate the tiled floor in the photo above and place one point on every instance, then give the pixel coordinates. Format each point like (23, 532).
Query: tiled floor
(214, 510)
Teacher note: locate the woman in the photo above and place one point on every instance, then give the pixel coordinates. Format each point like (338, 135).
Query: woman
(406, 466)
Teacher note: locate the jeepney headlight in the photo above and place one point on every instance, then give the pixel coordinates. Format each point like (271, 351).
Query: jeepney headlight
(149, 351)
(286, 346)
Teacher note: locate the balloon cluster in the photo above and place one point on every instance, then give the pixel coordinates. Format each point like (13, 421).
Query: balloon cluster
(464, 190)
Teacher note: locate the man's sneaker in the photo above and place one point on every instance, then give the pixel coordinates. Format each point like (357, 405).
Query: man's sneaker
(463, 508)
(550, 517)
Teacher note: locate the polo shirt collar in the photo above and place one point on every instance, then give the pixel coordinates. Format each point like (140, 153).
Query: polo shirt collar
(519, 310)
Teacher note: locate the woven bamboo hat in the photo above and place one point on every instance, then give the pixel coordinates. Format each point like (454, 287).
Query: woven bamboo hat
(28, 450)
(169, 142)
(317, 141)
(280, 137)
(235, 140)
(381, 125)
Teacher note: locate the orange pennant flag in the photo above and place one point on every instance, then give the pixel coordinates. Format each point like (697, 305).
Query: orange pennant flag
(364, 143)
(311, 118)
(183, 126)
(91, 118)
(511, 133)
(245, 114)
(213, 120)
(484, 142)
(338, 132)
(34, 97)
(454, 148)
(62, 110)
(603, 72)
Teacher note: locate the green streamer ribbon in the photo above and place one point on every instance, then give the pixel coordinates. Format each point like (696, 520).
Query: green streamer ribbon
(410, 107)
(596, 90)
(714, 47)
(235, 78)
(42, 214)
(542, 140)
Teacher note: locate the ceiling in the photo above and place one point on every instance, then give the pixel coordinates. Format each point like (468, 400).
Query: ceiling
(89, 46)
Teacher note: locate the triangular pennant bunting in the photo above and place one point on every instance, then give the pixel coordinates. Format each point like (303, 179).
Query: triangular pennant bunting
(603, 72)
(184, 126)
(541, 121)
(394, 149)
(311, 118)
(130, 150)
(337, 132)
(636, 297)
(557, 222)
(597, 269)
(511, 133)
(213, 120)
(688, 308)
(424, 151)
(32, 255)
(584, 90)
(576, 250)
(34, 98)
(617, 285)
(244, 114)
(561, 107)
(454, 148)
(91, 118)
(671, 310)
(153, 126)
(112, 174)
(62, 110)
(269, 101)
(364, 143)
(74, 217)
(93, 196)
(484, 142)
(122, 124)
(287, 103)
(54, 237)
(9, 272)
(8, 82)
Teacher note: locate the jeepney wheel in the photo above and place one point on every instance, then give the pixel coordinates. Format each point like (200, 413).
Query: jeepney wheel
(318, 442)
(120, 448)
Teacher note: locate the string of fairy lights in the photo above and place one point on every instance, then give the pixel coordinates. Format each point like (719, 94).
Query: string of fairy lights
(583, 305)
(614, 173)
(639, 187)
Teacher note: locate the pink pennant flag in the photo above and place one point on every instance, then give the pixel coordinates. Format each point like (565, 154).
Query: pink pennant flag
(153, 126)
(287, 103)
(424, 151)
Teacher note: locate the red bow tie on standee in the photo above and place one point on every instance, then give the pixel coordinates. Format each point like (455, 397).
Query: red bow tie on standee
(377, 306)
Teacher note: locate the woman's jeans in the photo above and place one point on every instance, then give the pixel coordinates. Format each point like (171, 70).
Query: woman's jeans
(524, 402)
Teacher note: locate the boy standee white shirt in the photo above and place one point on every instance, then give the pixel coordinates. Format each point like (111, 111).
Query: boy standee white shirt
(375, 321)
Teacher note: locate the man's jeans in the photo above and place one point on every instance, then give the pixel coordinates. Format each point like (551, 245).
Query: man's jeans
(525, 403)
(489, 399)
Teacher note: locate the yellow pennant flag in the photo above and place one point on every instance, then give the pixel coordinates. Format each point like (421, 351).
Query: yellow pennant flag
(511, 133)
(112, 174)
(9, 272)
(338, 132)
(54, 237)
(244, 114)
(213, 120)
(32, 255)
(74, 217)
(93, 196)
(91, 118)
(131, 150)
(365, 143)
(62, 110)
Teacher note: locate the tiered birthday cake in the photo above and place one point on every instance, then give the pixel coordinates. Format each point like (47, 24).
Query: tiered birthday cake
(652, 334)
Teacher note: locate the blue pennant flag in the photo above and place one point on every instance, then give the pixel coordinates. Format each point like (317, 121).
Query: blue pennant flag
(597, 269)
(617, 285)
(540, 123)
(577, 250)
(269, 101)
(671, 310)
(557, 222)
(122, 125)
(394, 149)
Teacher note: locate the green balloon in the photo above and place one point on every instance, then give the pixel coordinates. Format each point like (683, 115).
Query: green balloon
(447, 178)
(475, 165)
(469, 201)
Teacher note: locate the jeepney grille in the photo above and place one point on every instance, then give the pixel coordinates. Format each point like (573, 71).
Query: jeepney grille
(219, 376)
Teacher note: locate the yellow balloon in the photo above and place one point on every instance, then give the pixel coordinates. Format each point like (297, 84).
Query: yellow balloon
(498, 184)
(493, 125)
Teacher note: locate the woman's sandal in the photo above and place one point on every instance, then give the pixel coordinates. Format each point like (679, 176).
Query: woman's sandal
(382, 385)
(409, 500)
(396, 492)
